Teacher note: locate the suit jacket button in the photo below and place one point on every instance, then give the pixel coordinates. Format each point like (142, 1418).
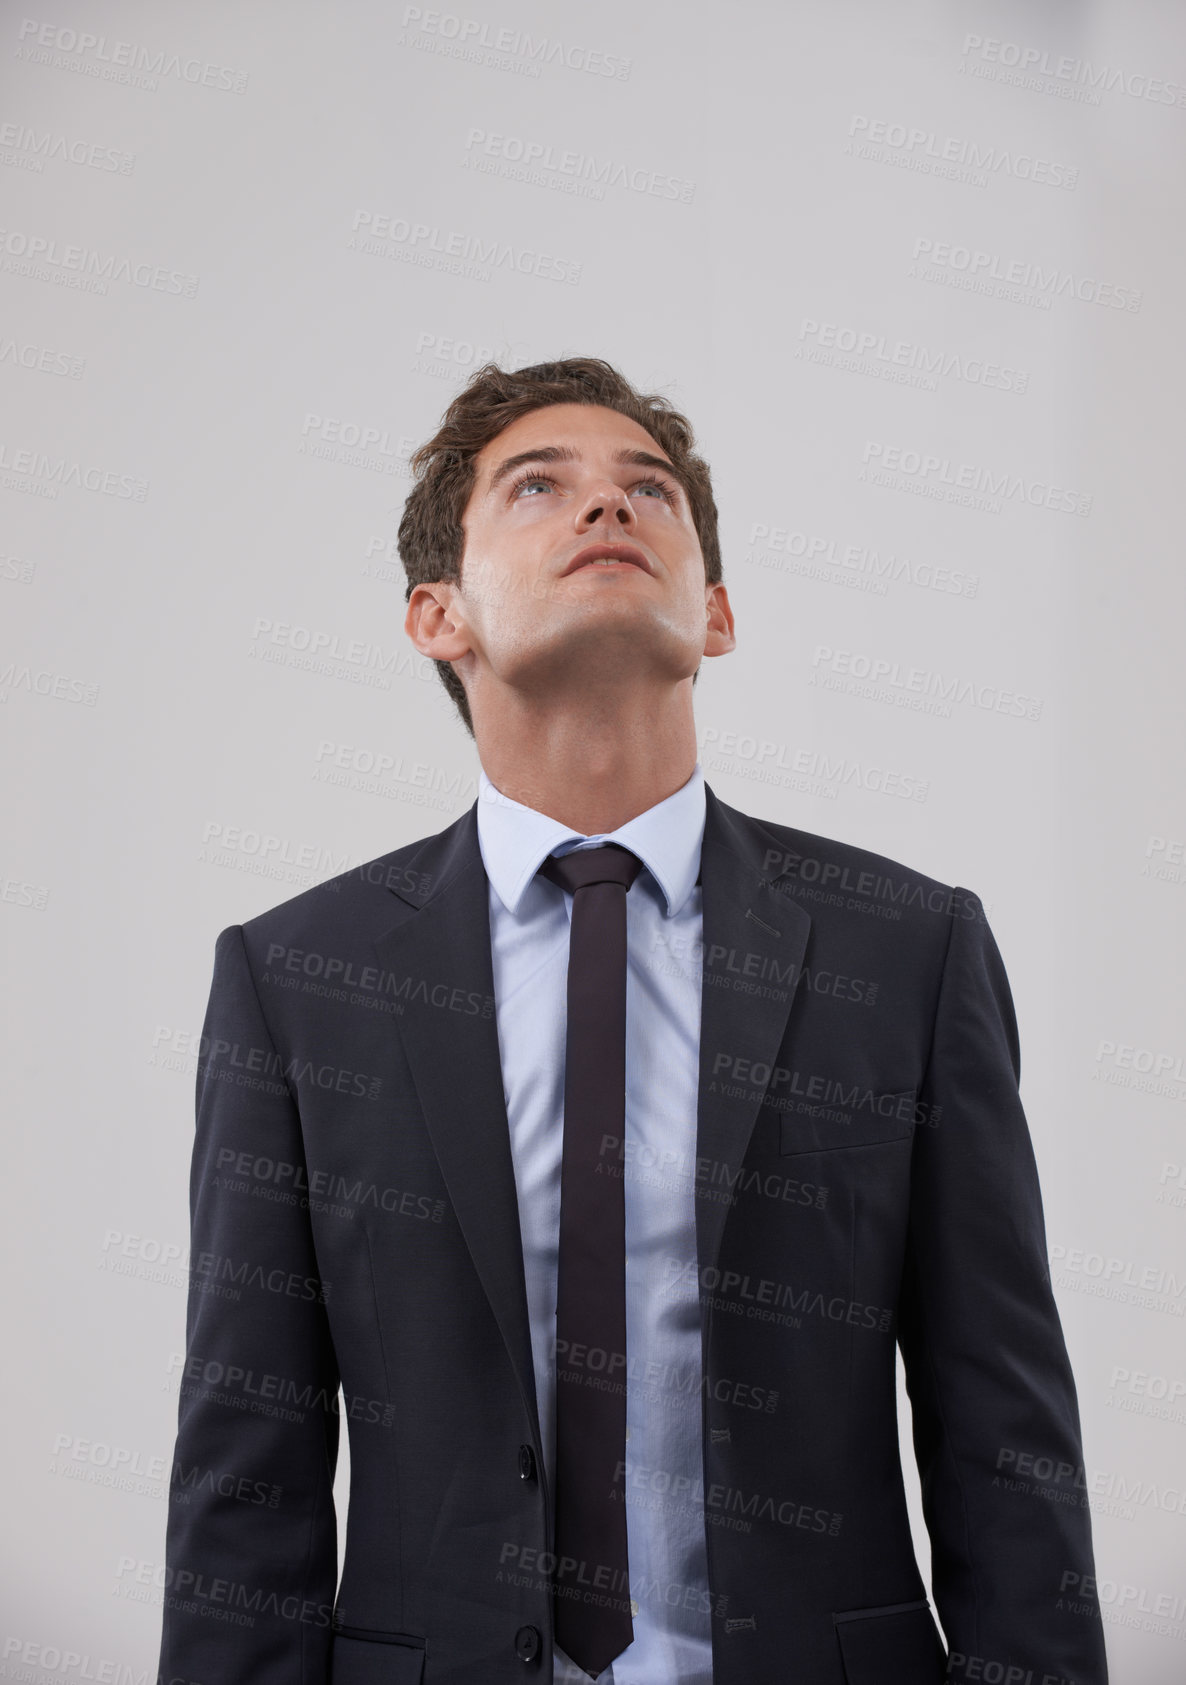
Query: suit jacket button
(527, 1643)
(526, 1463)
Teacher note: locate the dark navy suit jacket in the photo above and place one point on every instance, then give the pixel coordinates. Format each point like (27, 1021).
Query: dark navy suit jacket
(865, 1179)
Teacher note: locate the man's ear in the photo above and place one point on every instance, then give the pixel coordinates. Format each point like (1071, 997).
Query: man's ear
(720, 637)
(432, 623)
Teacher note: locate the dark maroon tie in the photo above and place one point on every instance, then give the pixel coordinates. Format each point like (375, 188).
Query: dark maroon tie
(591, 1594)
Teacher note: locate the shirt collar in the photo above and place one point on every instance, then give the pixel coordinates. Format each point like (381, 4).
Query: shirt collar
(515, 840)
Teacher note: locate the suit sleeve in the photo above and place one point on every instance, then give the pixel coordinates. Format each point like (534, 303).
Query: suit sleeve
(251, 1553)
(995, 1416)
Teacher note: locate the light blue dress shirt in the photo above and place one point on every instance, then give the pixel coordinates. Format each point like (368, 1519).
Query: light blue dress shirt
(529, 930)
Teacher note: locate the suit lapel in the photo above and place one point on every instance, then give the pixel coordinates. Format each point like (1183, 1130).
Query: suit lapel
(752, 935)
(444, 944)
(441, 943)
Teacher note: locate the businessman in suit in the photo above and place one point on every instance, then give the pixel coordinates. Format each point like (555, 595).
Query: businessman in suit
(592, 1157)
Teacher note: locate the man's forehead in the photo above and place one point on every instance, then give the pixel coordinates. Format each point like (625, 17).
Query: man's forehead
(545, 428)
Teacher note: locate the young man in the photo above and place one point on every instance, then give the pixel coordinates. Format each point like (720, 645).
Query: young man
(603, 1147)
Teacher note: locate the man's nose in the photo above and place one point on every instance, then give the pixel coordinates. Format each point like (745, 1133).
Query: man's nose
(611, 502)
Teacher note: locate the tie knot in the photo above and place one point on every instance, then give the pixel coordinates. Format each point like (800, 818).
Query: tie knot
(580, 867)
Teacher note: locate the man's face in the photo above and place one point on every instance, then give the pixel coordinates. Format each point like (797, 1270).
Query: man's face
(527, 613)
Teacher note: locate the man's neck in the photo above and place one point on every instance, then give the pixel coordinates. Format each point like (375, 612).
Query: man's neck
(592, 766)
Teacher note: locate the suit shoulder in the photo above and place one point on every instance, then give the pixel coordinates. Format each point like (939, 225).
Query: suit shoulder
(809, 854)
(830, 872)
(351, 900)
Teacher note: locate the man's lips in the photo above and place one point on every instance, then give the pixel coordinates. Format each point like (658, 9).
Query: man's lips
(617, 552)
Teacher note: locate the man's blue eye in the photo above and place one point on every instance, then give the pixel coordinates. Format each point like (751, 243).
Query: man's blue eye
(650, 483)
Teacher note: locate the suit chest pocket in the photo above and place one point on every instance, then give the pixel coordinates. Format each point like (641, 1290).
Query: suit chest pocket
(897, 1644)
(850, 1117)
(377, 1659)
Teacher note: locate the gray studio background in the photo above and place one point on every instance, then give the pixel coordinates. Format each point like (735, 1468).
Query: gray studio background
(915, 272)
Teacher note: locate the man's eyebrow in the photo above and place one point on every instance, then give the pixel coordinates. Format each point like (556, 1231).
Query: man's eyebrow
(565, 453)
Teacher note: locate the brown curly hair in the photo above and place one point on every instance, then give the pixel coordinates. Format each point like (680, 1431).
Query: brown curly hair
(431, 537)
